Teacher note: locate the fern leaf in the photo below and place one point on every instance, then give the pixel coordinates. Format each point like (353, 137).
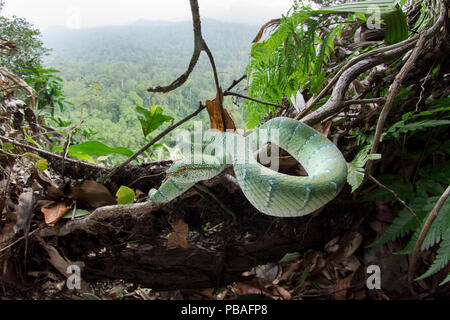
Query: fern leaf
(442, 256)
(447, 279)
(406, 222)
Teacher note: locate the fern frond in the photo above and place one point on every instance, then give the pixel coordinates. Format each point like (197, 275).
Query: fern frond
(437, 230)
(447, 279)
(442, 256)
(406, 222)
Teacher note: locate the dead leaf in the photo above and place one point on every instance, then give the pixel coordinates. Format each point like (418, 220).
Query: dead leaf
(342, 286)
(254, 286)
(347, 246)
(179, 235)
(54, 213)
(93, 193)
(280, 291)
(24, 212)
(215, 115)
(324, 129)
(43, 179)
(290, 270)
(61, 264)
(267, 272)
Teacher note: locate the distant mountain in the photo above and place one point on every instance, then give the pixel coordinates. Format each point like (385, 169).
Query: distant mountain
(146, 40)
(107, 71)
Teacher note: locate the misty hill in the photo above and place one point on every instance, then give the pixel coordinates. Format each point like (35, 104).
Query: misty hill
(107, 71)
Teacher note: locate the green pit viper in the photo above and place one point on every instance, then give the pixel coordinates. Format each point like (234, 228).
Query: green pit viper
(270, 192)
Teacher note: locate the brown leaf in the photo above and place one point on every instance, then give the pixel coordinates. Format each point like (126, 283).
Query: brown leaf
(43, 179)
(93, 193)
(215, 115)
(254, 286)
(179, 234)
(54, 213)
(324, 129)
(280, 291)
(348, 245)
(272, 23)
(24, 212)
(61, 264)
(341, 287)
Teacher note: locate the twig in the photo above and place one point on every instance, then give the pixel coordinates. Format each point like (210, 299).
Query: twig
(48, 155)
(66, 146)
(363, 101)
(229, 93)
(145, 177)
(236, 82)
(219, 202)
(18, 240)
(156, 139)
(393, 90)
(216, 81)
(426, 227)
(198, 48)
(395, 196)
(19, 82)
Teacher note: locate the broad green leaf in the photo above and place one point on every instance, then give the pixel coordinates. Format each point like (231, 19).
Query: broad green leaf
(125, 195)
(356, 167)
(288, 257)
(78, 213)
(397, 26)
(96, 148)
(151, 118)
(381, 6)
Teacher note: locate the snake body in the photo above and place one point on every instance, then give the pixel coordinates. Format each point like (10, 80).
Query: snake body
(270, 192)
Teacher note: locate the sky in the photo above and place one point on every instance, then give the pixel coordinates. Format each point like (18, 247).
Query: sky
(91, 13)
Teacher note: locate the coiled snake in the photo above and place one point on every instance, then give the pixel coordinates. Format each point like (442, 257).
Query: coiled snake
(270, 192)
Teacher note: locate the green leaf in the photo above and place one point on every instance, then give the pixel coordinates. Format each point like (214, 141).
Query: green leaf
(356, 167)
(96, 148)
(125, 195)
(41, 165)
(151, 118)
(288, 257)
(383, 6)
(442, 256)
(397, 26)
(447, 279)
(406, 222)
(78, 213)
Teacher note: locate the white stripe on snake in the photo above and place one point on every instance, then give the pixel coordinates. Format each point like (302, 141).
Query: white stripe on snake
(270, 192)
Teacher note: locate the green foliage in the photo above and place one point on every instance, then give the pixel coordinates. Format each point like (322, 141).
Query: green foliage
(30, 49)
(419, 136)
(48, 86)
(78, 213)
(151, 118)
(355, 174)
(291, 59)
(396, 26)
(125, 195)
(94, 148)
